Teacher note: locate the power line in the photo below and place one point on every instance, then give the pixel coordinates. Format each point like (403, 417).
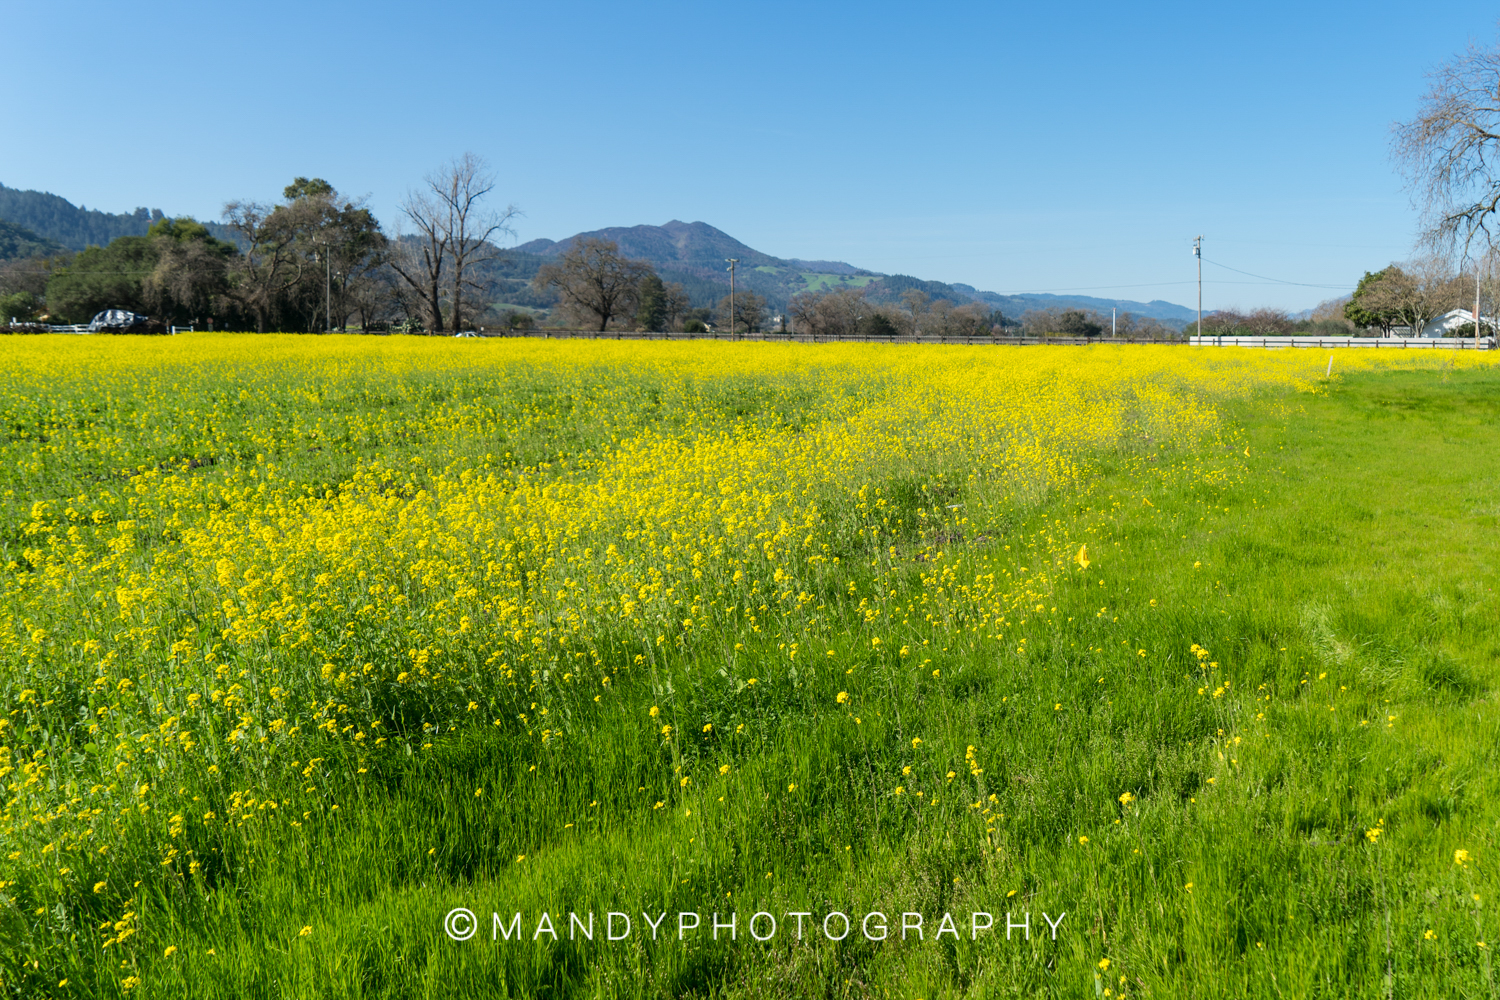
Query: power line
(1024, 247)
(1333, 246)
(1147, 284)
(1274, 281)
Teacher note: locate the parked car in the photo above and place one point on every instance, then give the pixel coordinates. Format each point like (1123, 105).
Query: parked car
(117, 321)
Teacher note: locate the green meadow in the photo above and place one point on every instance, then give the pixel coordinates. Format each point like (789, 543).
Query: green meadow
(1245, 746)
(817, 281)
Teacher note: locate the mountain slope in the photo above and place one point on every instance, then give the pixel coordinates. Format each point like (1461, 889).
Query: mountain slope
(76, 227)
(690, 244)
(695, 253)
(1169, 313)
(71, 225)
(18, 243)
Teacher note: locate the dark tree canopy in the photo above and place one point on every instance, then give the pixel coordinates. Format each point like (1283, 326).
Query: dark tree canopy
(18, 243)
(191, 274)
(301, 187)
(1077, 323)
(878, 325)
(749, 312)
(176, 273)
(99, 278)
(306, 262)
(1364, 310)
(651, 308)
(1410, 295)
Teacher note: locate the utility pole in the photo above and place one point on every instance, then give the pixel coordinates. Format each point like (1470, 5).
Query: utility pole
(1477, 273)
(1198, 255)
(732, 261)
(322, 251)
(1113, 328)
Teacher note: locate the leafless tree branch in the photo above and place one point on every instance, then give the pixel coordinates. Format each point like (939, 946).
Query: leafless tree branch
(1448, 154)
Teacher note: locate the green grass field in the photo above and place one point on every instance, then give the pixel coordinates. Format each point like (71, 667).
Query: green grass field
(1248, 750)
(818, 282)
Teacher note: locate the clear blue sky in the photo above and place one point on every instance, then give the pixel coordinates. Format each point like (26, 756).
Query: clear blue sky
(1016, 147)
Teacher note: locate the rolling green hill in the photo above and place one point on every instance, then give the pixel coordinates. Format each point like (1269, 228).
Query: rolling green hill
(18, 243)
(75, 227)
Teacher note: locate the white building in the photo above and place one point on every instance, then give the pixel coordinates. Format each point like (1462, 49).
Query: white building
(1442, 326)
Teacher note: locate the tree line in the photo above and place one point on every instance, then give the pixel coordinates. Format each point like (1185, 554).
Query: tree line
(315, 260)
(289, 266)
(318, 259)
(849, 312)
(1414, 294)
(1403, 296)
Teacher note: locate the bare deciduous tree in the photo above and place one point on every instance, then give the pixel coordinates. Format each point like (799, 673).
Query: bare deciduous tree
(1449, 151)
(454, 233)
(270, 262)
(594, 280)
(1264, 322)
(1332, 311)
(420, 261)
(971, 319)
(939, 317)
(189, 277)
(833, 313)
(915, 301)
(675, 303)
(472, 228)
(1268, 322)
(803, 310)
(749, 312)
(1040, 322)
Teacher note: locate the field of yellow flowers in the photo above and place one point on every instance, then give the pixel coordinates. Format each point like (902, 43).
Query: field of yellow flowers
(309, 644)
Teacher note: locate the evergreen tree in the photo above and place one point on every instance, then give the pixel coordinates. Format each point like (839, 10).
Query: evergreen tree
(651, 311)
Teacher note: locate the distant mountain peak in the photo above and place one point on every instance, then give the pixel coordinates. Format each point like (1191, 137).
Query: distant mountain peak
(696, 244)
(694, 253)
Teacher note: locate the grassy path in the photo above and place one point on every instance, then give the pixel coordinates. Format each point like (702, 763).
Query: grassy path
(1359, 589)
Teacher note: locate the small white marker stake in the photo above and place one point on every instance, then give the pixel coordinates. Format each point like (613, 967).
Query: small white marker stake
(1329, 372)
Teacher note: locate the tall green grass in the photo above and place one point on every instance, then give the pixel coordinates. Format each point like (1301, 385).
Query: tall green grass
(1277, 818)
